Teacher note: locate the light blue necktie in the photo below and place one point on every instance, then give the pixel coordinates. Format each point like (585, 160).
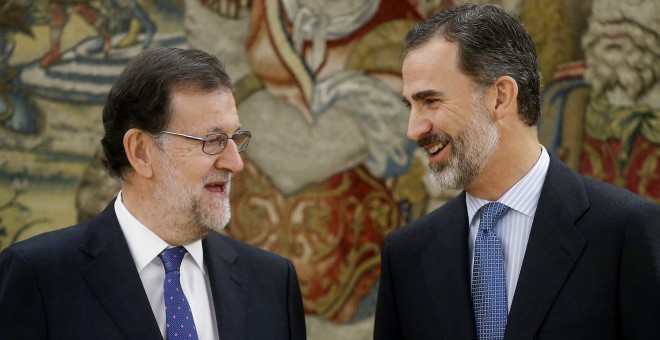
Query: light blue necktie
(488, 280)
(179, 319)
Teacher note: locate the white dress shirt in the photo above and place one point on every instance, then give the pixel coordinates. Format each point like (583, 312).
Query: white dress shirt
(145, 247)
(515, 226)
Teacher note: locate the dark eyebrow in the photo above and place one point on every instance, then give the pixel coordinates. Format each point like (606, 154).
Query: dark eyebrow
(421, 95)
(219, 130)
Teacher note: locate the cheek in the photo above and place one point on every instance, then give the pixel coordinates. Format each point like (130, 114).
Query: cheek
(451, 123)
(201, 173)
(194, 165)
(186, 177)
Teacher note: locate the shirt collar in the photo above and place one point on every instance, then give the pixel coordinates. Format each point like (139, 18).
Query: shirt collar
(523, 196)
(144, 244)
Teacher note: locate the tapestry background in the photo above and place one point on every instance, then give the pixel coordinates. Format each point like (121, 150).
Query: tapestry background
(329, 171)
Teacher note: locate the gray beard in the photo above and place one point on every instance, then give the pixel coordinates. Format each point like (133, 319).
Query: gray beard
(471, 150)
(187, 211)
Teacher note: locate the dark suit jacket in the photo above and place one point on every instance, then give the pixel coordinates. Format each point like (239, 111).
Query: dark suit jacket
(81, 283)
(591, 269)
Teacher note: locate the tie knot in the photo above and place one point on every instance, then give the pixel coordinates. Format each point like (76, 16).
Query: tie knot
(491, 213)
(172, 258)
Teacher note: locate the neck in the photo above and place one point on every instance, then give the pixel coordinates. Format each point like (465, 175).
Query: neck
(518, 152)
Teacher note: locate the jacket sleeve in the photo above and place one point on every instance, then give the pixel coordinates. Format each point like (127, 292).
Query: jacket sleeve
(22, 313)
(295, 306)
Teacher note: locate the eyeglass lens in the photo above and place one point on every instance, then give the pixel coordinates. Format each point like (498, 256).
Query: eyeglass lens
(214, 144)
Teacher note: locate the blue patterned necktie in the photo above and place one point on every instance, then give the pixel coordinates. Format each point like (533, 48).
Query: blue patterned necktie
(488, 280)
(179, 319)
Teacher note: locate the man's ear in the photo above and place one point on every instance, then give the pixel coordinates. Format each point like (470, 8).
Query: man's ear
(505, 97)
(140, 148)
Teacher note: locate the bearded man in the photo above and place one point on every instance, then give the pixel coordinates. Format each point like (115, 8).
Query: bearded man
(529, 249)
(152, 265)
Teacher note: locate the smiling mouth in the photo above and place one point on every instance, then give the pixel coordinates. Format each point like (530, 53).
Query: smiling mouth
(433, 144)
(435, 149)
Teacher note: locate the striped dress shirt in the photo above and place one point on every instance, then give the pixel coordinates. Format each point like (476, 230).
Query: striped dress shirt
(514, 228)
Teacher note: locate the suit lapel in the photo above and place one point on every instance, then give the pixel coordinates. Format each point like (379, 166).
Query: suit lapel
(446, 269)
(229, 287)
(554, 246)
(114, 280)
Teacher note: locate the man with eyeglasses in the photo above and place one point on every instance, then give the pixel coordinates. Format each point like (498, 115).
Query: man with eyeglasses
(152, 265)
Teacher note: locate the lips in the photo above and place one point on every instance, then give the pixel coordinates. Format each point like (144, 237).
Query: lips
(435, 149)
(218, 187)
(434, 144)
(219, 183)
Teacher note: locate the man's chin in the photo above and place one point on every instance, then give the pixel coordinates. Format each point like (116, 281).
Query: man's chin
(216, 228)
(216, 216)
(215, 225)
(445, 179)
(220, 222)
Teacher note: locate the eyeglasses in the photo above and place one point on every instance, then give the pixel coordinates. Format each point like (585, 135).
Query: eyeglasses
(214, 143)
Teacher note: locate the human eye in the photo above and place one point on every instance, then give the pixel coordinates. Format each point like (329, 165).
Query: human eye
(406, 102)
(216, 138)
